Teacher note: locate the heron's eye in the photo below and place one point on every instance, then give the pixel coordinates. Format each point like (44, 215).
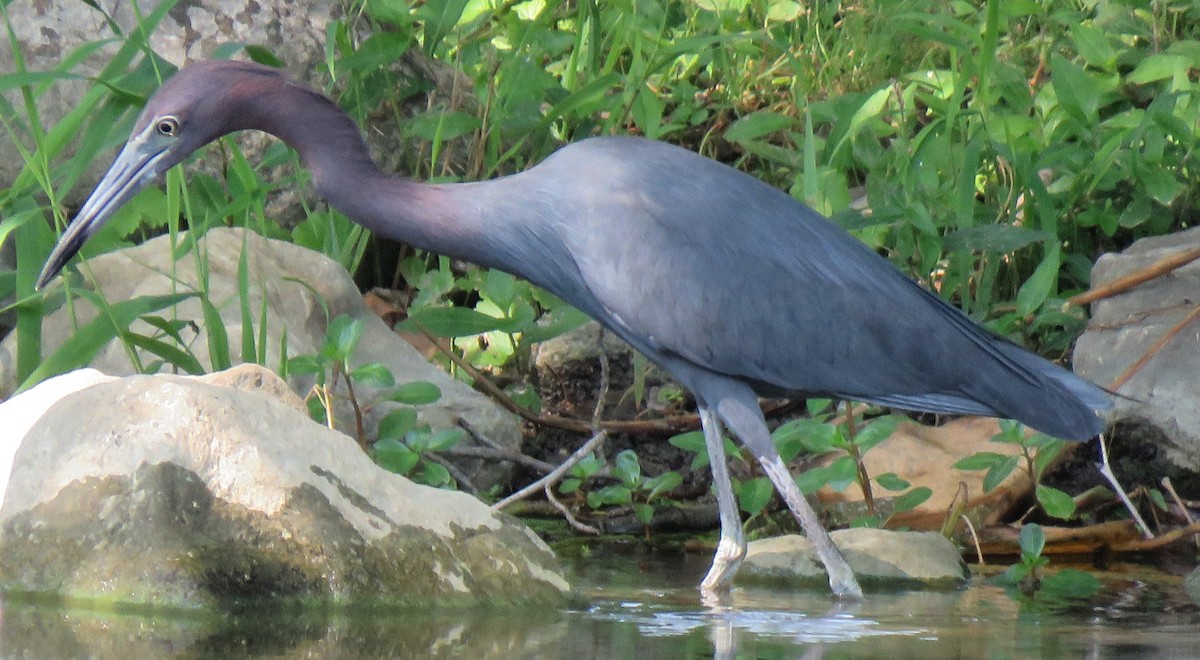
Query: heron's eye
(168, 126)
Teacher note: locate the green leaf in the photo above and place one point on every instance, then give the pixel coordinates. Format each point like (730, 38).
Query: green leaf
(441, 125)
(1032, 540)
(397, 423)
(1001, 239)
(451, 321)
(570, 485)
(218, 338)
(627, 469)
(586, 467)
(754, 494)
(912, 499)
(1093, 46)
(434, 474)
(393, 456)
(692, 441)
(1161, 66)
(341, 337)
(1041, 284)
(890, 481)
(416, 393)
(612, 494)
(756, 125)
(305, 364)
(394, 12)
(999, 472)
(373, 375)
(644, 512)
(1076, 90)
(875, 432)
(169, 353)
(663, 483)
(1055, 502)
(445, 439)
(983, 460)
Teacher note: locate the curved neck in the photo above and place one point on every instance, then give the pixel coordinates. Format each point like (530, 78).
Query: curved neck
(430, 217)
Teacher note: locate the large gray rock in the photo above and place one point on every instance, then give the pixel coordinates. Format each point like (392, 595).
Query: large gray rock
(1160, 403)
(166, 491)
(276, 269)
(881, 558)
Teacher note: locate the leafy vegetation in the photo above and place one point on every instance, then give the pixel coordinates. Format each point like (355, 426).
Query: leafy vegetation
(990, 150)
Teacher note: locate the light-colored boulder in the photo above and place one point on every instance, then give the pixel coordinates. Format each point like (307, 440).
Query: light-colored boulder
(880, 558)
(168, 491)
(292, 283)
(1160, 403)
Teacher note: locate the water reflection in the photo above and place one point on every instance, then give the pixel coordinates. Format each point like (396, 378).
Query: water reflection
(643, 607)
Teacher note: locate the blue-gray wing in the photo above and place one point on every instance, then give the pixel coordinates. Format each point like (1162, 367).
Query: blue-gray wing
(690, 259)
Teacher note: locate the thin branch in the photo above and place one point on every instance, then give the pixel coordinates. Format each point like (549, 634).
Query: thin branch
(1187, 514)
(556, 474)
(489, 454)
(1157, 542)
(1153, 350)
(552, 478)
(1122, 284)
(566, 513)
(464, 482)
(478, 435)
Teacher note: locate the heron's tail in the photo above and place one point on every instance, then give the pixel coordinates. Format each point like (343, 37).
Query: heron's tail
(1043, 395)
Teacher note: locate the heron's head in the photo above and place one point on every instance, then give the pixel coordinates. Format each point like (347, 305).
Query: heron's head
(199, 104)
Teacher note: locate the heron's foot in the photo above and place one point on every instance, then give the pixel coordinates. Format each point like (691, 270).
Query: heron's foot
(731, 550)
(844, 584)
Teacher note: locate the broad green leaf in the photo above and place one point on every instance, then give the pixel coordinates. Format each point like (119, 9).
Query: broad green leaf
(444, 439)
(452, 321)
(373, 375)
(612, 494)
(663, 483)
(397, 423)
(1055, 502)
(875, 432)
(626, 468)
(1041, 284)
(393, 456)
(644, 512)
(1093, 46)
(912, 499)
(891, 481)
(999, 472)
(756, 125)
(1160, 66)
(983, 460)
(416, 393)
(1077, 91)
(341, 337)
(1032, 540)
(754, 494)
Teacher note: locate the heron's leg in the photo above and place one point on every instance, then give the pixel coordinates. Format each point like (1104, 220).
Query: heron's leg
(732, 547)
(745, 419)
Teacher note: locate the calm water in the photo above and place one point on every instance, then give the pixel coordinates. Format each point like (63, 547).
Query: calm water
(647, 607)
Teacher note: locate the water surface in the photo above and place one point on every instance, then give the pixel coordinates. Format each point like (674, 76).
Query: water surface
(646, 606)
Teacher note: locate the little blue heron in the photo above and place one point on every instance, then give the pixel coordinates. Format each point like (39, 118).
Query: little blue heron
(732, 286)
